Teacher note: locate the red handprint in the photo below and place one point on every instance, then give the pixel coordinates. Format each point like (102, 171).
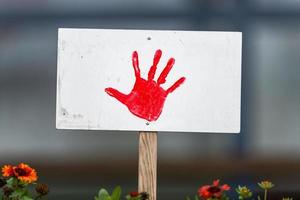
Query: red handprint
(146, 99)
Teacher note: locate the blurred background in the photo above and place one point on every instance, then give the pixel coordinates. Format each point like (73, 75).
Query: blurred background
(76, 164)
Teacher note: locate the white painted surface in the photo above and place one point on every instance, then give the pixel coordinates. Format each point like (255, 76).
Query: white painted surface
(90, 60)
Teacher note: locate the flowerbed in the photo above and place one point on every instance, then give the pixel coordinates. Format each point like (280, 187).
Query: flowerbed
(17, 183)
(20, 183)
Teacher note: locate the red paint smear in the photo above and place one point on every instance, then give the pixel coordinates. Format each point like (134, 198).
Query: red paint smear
(147, 98)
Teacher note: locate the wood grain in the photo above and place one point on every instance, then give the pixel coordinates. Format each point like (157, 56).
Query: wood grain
(148, 163)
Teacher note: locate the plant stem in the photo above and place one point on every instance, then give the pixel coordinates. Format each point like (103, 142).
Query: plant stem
(265, 198)
(38, 197)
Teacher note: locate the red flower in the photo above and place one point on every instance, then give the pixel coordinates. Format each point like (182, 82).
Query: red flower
(212, 191)
(7, 171)
(134, 194)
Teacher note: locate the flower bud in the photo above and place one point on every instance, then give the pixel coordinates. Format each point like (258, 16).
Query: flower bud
(266, 185)
(144, 196)
(42, 189)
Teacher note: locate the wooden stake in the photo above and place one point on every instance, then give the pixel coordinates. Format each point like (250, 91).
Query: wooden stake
(148, 163)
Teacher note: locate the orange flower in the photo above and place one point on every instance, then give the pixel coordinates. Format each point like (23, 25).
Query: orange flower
(7, 170)
(212, 191)
(25, 173)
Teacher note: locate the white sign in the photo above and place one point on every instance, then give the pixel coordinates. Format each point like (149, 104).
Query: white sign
(144, 80)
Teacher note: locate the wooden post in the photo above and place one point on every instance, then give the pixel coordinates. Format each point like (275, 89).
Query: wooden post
(148, 163)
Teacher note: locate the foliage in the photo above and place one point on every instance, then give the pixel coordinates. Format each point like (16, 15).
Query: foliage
(17, 181)
(103, 194)
(215, 191)
(218, 192)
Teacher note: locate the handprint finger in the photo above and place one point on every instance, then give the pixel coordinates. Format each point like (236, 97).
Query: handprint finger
(135, 63)
(153, 68)
(162, 77)
(176, 85)
(118, 95)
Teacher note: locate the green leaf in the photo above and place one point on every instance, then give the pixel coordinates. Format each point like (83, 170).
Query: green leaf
(104, 195)
(116, 194)
(188, 198)
(18, 193)
(127, 197)
(258, 198)
(26, 198)
(11, 182)
(196, 197)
